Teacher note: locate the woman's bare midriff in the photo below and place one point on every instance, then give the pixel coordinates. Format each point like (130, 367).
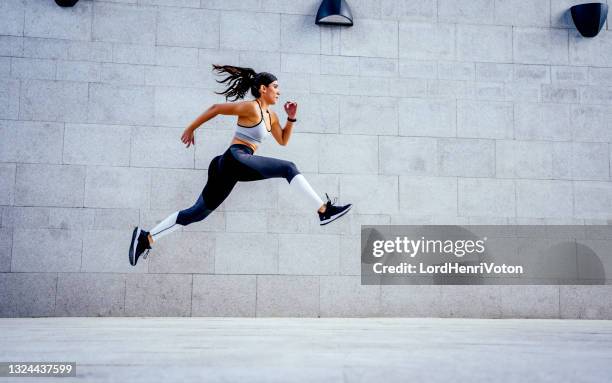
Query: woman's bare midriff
(239, 141)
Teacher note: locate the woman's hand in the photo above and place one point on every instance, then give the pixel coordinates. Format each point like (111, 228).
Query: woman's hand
(291, 109)
(188, 137)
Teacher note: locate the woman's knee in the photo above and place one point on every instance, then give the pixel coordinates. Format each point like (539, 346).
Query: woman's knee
(292, 170)
(196, 213)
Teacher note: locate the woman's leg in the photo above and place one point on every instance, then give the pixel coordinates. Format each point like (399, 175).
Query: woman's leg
(257, 167)
(218, 187)
(254, 167)
(300, 185)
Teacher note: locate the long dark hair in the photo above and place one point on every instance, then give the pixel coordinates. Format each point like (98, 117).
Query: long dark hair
(241, 80)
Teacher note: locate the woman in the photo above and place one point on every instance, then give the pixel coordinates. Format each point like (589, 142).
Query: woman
(239, 163)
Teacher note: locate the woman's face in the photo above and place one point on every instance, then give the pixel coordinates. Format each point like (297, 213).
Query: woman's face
(270, 93)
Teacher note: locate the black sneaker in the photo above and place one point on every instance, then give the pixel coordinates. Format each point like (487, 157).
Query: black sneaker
(140, 243)
(333, 212)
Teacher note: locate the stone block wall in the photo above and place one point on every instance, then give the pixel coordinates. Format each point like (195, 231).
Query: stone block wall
(423, 112)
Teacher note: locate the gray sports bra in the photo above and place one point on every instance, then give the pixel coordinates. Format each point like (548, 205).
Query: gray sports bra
(254, 134)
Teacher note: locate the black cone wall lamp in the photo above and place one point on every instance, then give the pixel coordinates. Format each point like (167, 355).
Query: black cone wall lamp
(66, 3)
(334, 12)
(589, 18)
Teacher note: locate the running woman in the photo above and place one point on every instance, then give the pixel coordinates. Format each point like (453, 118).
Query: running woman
(239, 163)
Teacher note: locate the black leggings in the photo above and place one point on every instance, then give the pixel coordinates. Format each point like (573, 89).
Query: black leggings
(238, 163)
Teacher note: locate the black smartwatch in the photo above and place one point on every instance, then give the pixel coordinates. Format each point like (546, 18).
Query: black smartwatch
(291, 119)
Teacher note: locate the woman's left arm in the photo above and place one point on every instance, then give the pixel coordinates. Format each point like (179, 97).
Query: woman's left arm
(281, 135)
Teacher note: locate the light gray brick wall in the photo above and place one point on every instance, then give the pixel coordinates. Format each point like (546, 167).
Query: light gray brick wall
(423, 112)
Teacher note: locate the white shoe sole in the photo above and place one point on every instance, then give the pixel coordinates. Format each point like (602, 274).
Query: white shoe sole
(134, 245)
(335, 217)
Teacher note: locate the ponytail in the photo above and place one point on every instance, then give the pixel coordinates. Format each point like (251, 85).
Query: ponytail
(240, 80)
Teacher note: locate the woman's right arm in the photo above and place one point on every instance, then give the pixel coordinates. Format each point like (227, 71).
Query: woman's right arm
(242, 108)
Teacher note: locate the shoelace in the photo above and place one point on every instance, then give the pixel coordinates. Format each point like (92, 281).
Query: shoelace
(144, 255)
(329, 200)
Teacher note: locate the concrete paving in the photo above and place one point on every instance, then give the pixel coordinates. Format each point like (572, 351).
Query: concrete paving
(313, 350)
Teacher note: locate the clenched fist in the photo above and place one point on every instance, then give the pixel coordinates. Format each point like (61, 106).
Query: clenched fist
(291, 108)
